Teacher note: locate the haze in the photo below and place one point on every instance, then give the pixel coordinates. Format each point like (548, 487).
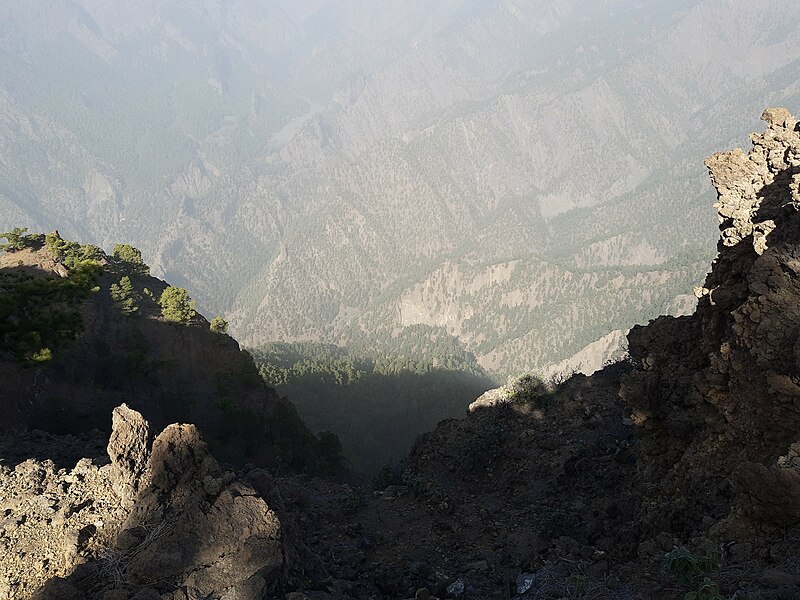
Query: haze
(525, 176)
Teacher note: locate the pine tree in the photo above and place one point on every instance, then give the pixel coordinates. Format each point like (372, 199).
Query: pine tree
(124, 296)
(17, 240)
(176, 305)
(219, 325)
(130, 259)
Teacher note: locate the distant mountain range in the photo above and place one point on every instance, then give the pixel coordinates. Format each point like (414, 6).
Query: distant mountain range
(524, 175)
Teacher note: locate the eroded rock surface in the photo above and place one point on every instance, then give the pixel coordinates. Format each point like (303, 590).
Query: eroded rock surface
(160, 523)
(128, 450)
(720, 390)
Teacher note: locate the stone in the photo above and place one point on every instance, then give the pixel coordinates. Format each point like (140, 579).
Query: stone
(525, 582)
(490, 399)
(127, 448)
(776, 578)
(456, 589)
(777, 116)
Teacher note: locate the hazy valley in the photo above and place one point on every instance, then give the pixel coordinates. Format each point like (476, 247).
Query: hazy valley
(507, 171)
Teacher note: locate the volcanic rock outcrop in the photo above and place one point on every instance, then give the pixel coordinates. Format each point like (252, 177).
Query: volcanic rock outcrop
(160, 523)
(719, 391)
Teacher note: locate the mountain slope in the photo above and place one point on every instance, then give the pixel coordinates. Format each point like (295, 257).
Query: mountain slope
(75, 346)
(351, 151)
(672, 475)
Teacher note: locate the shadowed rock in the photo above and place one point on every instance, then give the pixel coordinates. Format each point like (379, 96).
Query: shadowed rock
(166, 524)
(719, 389)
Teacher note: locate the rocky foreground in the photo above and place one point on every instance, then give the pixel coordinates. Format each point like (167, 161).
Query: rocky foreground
(166, 515)
(675, 474)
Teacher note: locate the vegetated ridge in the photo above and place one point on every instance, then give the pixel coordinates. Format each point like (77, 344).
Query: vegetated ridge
(83, 331)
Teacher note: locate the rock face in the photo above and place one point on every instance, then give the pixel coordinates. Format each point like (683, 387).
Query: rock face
(719, 391)
(195, 528)
(166, 523)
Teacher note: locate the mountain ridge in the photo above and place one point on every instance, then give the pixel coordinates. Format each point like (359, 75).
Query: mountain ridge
(80, 354)
(293, 138)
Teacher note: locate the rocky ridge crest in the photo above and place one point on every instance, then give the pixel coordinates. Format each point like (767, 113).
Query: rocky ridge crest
(719, 391)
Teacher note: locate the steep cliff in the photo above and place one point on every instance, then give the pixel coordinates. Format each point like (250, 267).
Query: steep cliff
(718, 392)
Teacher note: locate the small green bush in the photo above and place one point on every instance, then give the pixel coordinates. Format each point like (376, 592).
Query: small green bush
(219, 325)
(527, 389)
(43, 355)
(708, 590)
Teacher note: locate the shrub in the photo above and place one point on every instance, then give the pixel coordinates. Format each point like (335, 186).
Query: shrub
(527, 389)
(708, 590)
(176, 305)
(37, 314)
(685, 566)
(16, 238)
(219, 325)
(73, 254)
(43, 355)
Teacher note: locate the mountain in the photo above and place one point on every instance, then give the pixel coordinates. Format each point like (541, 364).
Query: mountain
(522, 175)
(83, 331)
(673, 474)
